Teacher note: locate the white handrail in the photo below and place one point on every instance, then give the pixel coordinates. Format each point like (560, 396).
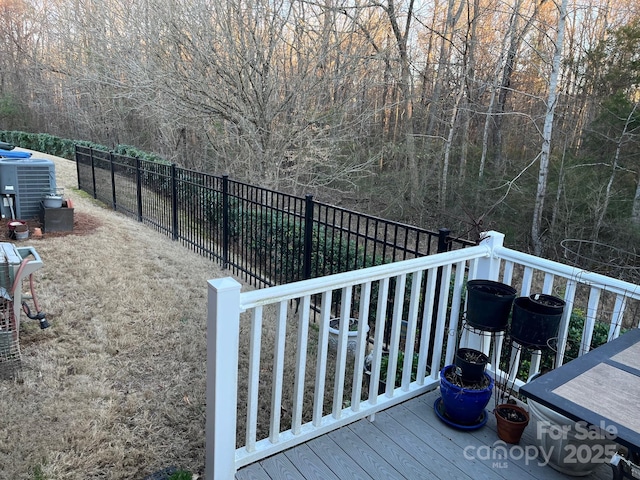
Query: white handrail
(566, 271)
(291, 291)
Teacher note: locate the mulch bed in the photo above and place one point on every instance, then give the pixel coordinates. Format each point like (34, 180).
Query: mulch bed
(83, 224)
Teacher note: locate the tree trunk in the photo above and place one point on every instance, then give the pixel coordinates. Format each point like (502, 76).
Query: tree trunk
(545, 152)
(515, 39)
(401, 37)
(614, 168)
(442, 194)
(635, 211)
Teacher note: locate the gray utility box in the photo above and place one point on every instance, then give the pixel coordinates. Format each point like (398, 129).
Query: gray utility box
(56, 219)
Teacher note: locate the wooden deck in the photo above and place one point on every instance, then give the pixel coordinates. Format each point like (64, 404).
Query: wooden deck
(407, 442)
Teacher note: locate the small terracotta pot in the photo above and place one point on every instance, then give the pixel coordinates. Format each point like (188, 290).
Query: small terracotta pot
(508, 430)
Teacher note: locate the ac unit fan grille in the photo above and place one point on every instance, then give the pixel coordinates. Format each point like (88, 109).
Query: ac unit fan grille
(33, 183)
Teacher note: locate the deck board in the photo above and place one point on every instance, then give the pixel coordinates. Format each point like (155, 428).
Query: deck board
(440, 443)
(407, 441)
(379, 440)
(337, 459)
(366, 457)
(307, 461)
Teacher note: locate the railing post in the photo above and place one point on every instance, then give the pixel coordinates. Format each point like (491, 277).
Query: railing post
(174, 203)
(113, 182)
(489, 267)
(308, 237)
(139, 189)
(225, 221)
(223, 327)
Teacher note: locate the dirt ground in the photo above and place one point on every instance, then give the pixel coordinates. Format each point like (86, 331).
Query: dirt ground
(115, 388)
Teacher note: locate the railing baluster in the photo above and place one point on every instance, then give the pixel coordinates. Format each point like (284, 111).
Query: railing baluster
(590, 322)
(396, 325)
(456, 300)
(361, 346)
(534, 366)
(253, 378)
(427, 325)
(527, 278)
(617, 316)
(301, 354)
(507, 276)
(441, 319)
(321, 365)
(341, 358)
(378, 340)
(278, 372)
(412, 323)
(563, 330)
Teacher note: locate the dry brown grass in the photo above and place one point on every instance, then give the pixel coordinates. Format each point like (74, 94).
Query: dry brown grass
(115, 389)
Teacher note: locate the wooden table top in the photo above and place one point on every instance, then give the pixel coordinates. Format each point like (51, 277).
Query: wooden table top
(601, 388)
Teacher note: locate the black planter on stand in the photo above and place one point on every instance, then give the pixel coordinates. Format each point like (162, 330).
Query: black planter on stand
(536, 320)
(489, 304)
(470, 364)
(465, 387)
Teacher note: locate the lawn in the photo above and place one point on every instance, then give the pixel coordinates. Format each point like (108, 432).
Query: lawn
(115, 388)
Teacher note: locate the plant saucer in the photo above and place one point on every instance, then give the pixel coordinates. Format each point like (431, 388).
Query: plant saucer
(438, 407)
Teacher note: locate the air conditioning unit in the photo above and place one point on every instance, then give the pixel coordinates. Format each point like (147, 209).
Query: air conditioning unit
(23, 184)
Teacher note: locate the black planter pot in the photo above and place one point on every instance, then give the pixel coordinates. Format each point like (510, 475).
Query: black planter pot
(489, 304)
(547, 304)
(470, 364)
(535, 321)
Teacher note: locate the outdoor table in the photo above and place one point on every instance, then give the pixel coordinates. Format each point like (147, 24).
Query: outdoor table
(601, 388)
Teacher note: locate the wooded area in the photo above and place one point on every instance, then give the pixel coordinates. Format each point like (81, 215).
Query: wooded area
(514, 115)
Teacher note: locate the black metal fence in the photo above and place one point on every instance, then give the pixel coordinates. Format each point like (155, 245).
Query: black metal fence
(265, 236)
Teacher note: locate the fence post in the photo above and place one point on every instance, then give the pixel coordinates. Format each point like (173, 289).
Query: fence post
(75, 146)
(308, 236)
(223, 327)
(93, 173)
(225, 221)
(139, 189)
(174, 202)
(113, 182)
(443, 240)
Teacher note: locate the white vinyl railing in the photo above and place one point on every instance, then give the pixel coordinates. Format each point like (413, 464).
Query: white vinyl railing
(273, 369)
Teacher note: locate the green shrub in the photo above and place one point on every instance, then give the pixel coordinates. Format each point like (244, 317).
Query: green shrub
(65, 148)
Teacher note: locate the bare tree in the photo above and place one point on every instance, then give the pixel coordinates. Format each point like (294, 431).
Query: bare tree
(545, 152)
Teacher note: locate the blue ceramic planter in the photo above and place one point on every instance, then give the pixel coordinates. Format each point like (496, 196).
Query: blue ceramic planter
(463, 406)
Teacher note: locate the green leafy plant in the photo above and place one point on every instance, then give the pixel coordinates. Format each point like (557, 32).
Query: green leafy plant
(384, 363)
(181, 475)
